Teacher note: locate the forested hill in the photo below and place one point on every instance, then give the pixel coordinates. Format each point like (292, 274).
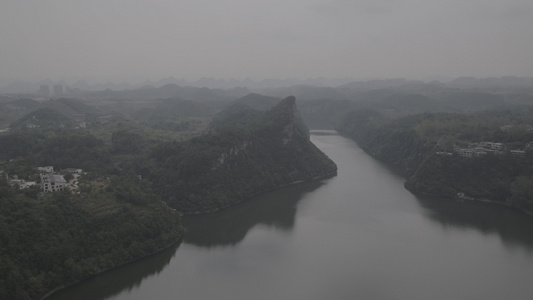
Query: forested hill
(49, 241)
(118, 209)
(485, 155)
(247, 153)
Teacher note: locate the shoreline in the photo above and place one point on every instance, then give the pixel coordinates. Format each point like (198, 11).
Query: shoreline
(504, 204)
(180, 239)
(414, 192)
(329, 175)
(59, 288)
(475, 200)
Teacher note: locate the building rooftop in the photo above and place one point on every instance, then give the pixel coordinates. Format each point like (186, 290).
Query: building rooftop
(54, 178)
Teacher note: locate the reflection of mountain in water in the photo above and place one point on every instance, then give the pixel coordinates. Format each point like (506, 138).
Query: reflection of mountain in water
(229, 226)
(512, 226)
(118, 280)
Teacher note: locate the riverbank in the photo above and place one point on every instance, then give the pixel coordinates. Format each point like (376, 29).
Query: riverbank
(493, 202)
(179, 240)
(59, 288)
(329, 175)
(462, 198)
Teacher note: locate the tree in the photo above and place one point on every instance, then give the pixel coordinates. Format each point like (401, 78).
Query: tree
(522, 191)
(68, 177)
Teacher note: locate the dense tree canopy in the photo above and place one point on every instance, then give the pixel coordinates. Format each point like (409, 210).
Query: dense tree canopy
(134, 186)
(242, 157)
(423, 144)
(53, 240)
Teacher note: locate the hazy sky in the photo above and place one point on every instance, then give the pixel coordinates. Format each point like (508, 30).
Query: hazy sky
(136, 40)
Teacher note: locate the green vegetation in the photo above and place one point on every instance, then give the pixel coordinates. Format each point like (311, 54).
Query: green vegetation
(45, 119)
(424, 147)
(140, 175)
(164, 113)
(57, 239)
(32, 149)
(248, 153)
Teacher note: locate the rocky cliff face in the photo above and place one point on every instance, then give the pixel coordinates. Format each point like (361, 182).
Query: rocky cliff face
(230, 165)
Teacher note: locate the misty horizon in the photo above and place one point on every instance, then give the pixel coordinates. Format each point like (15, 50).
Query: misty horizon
(120, 41)
(59, 88)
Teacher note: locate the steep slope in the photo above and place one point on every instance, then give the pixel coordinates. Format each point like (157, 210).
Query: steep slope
(228, 166)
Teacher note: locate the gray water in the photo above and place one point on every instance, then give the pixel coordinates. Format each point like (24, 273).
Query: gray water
(359, 235)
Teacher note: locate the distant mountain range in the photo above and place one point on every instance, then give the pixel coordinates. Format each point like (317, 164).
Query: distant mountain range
(32, 87)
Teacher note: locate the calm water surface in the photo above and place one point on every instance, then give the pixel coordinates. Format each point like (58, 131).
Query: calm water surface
(359, 235)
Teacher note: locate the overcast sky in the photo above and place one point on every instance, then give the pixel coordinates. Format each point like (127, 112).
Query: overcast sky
(153, 39)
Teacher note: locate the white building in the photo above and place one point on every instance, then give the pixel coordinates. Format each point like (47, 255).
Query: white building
(20, 183)
(47, 169)
(52, 182)
(72, 170)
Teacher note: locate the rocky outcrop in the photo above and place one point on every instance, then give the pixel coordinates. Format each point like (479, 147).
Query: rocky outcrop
(236, 162)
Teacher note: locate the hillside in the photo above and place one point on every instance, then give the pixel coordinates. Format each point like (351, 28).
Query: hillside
(45, 119)
(71, 107)
(54, 240)
(231, 164)
(486, 155)
(172, 113)
(12, 111)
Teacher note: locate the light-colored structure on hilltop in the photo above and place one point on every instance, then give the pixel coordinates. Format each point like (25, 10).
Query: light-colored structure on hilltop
(20, 183)
(52, 182)
(519, 153)
(47, 169)
(72, 170)
(480, 149)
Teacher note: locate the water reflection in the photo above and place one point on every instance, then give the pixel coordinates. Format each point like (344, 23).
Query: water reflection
(228, 227)
(119, 280)
(512, 226)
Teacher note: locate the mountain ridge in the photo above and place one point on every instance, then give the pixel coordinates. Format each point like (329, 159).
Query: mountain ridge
(226, 167)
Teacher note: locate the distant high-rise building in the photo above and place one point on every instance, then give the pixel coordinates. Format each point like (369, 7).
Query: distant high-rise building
(44, 90)
(58, 90)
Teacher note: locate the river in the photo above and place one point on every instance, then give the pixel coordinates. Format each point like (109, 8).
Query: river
(359, 235)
